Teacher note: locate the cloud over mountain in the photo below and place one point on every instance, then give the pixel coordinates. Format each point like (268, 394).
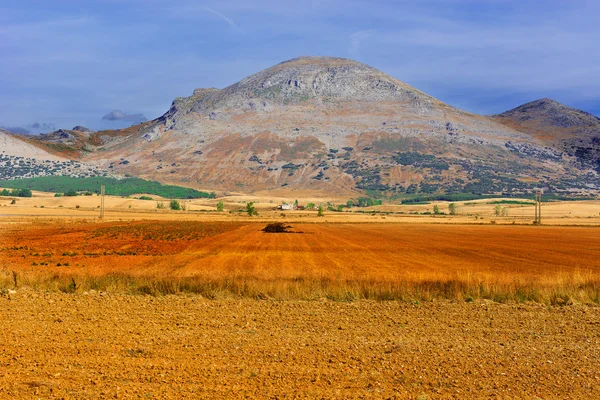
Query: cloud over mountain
(118, 115)
(42, 127)
(36, 127)
(15, 129)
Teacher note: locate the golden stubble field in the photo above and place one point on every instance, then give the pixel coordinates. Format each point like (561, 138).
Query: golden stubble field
(314, 260)
(184, 305)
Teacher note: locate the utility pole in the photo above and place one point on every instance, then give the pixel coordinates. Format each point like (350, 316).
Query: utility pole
(102, 192)
(538, 208)
(535, 217)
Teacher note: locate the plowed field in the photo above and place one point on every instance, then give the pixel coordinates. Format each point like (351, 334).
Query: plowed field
(225, 334)
(360, 260)
(107, 346)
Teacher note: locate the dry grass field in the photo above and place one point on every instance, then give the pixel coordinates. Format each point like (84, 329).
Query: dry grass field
(45, 206)
(200, 304)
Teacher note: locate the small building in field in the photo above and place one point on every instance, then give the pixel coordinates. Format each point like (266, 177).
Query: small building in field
(286, 206)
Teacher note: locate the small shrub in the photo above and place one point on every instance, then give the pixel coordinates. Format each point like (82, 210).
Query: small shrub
(250, 209)
(174, 205)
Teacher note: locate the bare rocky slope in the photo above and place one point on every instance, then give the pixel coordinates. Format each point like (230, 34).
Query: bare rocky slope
(333, 125)
(571, 131)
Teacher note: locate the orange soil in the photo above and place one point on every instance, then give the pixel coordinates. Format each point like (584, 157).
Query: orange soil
(348, 252)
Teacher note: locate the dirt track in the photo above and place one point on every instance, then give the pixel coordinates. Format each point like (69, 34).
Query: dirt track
(102, 346)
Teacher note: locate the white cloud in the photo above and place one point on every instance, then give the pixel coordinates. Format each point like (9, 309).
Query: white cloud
(223, 17)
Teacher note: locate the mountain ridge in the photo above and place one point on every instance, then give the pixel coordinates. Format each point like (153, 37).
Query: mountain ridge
(336, 125)
(572, 131)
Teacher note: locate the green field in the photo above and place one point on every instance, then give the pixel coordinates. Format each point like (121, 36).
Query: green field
(114, 187)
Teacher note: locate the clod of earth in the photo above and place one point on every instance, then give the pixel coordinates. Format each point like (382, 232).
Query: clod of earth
(276, 227)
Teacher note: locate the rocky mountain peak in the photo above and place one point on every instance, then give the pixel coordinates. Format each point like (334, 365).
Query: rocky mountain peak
(306, 80)
(552, 113)
(82, 129)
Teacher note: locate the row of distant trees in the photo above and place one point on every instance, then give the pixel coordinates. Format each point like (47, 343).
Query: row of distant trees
(16, 193)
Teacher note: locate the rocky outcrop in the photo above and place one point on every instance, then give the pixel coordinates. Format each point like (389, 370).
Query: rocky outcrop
(82, 129)
(306, 80)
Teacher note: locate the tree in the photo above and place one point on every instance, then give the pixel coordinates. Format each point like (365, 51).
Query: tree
(70, 193)
(320, 211)
(340, 207)
(220, 205)
(250, 209)
(349, 203)
(310, 206)
(498, 210)
(296, 204)
(160, 204)
(436, 210)
(452, 208)
(174, 205)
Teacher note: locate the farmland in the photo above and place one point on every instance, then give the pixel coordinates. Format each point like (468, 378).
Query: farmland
(205, 304)
(102, 345)
(331, 260)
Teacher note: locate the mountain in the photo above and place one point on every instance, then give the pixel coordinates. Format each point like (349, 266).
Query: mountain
(332, 126)
(571, 131)
(17, 145)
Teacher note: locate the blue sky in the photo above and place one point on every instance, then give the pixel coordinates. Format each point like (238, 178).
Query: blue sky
(73, 62)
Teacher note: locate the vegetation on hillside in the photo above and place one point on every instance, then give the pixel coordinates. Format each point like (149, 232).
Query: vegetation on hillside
(114, 187)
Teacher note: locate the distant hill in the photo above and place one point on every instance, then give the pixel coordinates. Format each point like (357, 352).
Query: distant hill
(571, 131)
(19, 145)
(335, 126)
